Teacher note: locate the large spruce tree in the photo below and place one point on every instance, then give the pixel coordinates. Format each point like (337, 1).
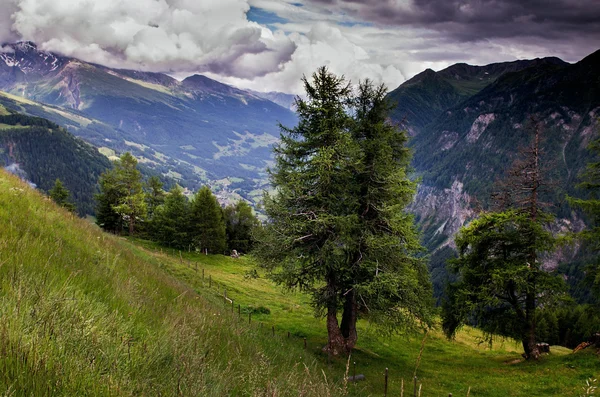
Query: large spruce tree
(337, 226)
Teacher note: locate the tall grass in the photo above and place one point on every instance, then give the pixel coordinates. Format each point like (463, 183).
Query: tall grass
(86, 313)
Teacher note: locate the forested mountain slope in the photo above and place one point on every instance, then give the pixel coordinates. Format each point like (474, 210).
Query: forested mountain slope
(40, 151)
(463, 150)
(418, 101)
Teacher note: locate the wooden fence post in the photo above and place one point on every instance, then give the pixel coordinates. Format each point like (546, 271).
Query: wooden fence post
(304, 343)
(415, 387)
(386, 383)
(249, 317)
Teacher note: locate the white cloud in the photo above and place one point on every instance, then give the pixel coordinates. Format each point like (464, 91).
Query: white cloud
(327, 45)
(215, 37)
(158, 35)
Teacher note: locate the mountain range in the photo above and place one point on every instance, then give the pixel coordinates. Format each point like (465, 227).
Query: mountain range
(197, 131)
(466, 122)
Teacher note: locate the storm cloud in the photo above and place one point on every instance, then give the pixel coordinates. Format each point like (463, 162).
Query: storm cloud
(481, 19)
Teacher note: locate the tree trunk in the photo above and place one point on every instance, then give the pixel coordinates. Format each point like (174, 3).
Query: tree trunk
(349, 316)
(529, 341)
(336, 344)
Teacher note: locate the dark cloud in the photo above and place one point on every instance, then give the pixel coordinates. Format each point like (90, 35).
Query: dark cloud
(482, 19)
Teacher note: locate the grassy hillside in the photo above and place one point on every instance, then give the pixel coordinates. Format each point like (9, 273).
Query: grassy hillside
(445, 367)
(86, 313)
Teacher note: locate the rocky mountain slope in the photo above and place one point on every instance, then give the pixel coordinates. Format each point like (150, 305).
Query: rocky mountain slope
(468, 138)
(198, 130)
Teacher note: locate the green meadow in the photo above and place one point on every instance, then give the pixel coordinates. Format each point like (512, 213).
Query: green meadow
(88, 313)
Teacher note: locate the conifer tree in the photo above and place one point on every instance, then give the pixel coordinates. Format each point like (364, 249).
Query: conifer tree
(106, 216)
(155, 195)
(121, 199)
(60, 195)
(591, 206)
(502, 283)
(132, 201)
(171, 220)
(337, 226)
(239, 225)
(207, 226)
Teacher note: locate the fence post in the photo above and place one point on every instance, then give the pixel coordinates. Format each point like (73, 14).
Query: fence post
(354, 372)
(304, 343)
(209, 281)
(386, 383)
(202, 274)
(288, 334)
(273, 329)
(415, 387)
(249, 317)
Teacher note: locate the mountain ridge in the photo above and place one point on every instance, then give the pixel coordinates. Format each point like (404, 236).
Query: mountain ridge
(198, 131)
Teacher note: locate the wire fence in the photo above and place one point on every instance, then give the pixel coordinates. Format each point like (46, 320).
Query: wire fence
(240, 312)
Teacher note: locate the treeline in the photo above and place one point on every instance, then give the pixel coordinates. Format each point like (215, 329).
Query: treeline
(24, 120)
(127, 204)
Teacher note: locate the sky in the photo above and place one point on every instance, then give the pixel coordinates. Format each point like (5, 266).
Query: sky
(268, 45)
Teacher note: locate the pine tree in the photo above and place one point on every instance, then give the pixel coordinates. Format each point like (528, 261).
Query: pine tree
(121, 199)
(591, 206)
(388, 277)
(239, 225)
(155, 195)
(106, 217)
(207, 226)
(337, 226)
(132, 200)
(60, 195)
(502, 283)
(171, 220)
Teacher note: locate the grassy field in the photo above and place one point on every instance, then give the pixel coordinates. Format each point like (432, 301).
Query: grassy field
(87, 313)
(445, 367)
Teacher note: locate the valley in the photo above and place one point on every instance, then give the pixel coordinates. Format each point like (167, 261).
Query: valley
(361, 220)
(143, 320)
